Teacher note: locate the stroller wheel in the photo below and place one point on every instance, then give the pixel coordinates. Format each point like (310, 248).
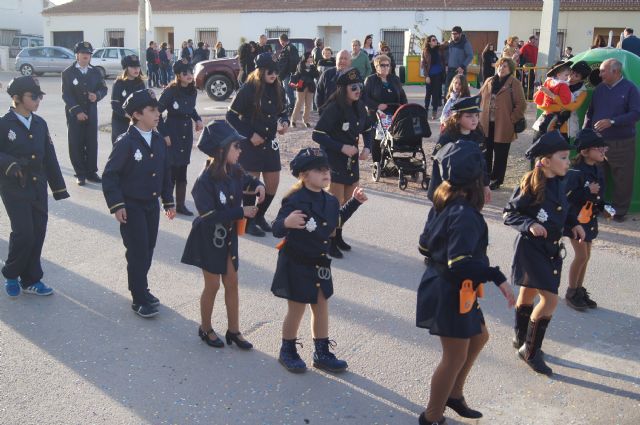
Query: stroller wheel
(402, 182)
(375, 171)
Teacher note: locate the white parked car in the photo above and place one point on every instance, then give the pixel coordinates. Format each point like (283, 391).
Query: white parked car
(107, 60)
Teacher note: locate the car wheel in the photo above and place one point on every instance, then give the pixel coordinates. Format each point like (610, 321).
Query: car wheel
(26, 69)
(102, 71)
(218, 87)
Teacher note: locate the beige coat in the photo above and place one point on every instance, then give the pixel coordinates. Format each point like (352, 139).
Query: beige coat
(508, 109)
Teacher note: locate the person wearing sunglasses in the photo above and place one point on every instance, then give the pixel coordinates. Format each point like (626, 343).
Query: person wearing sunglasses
(382, 92)
(212, 244)
(384, 49)
(259, 113)
(179, 100)
(338, 131)
(433, 58)
(82, 88)
(28, 163)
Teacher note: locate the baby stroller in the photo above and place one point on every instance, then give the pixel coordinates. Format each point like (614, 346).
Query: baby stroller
(401, 142)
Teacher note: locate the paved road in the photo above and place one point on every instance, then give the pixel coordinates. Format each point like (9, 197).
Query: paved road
(82, 357)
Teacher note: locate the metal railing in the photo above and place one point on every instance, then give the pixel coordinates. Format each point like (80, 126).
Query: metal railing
(531, 78)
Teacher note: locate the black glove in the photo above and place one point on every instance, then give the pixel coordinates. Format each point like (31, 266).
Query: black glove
(61, 195)
(16, 172)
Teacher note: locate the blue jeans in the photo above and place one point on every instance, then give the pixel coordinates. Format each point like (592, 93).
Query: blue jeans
(289, 92)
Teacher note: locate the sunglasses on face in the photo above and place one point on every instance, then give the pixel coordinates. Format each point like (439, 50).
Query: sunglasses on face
(271, 72)
(36, 97)
(185, 73)
(356, 87)
(384, 65)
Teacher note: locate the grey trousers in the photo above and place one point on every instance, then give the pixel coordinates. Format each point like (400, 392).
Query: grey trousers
(620, 162)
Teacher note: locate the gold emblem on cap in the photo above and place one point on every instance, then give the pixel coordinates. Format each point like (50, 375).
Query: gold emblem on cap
(353, 75)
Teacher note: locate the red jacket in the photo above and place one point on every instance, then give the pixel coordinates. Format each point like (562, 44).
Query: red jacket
(529, 54)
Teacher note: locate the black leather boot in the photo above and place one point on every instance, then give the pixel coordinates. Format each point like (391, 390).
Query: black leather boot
(262, 209)
(459, 405)
(181, 194)
(340, 242)
(334, 252)
(252, 229)
(531, 351)
(523, 315)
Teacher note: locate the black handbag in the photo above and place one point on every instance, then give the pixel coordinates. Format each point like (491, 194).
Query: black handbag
(521, 124)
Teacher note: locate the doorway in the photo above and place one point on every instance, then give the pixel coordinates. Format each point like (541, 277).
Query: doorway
(67, 39)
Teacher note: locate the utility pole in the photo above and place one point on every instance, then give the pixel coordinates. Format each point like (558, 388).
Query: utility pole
(142, 33)
(548, 40)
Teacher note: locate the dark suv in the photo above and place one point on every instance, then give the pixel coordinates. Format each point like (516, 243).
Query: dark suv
(219, 77)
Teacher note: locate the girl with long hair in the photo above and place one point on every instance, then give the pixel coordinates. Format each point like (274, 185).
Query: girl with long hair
(458, 88)
(212, 244)
(129, 81)
(433, 70)
(539, 211)
(259, 113)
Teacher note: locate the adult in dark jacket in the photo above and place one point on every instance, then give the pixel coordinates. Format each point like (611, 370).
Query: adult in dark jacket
(433, 62)
(287, 62)
(459, 54)
(152, 66)
(130, 81)
(327, 81)
(259, 113)
(165, 64)
(384, 49)
(316, 53)
(343, 121)
(631, 43)
(82, 88)
(489, 59)
(200, 54)
(382, 92)
(246, 56)
(220, 51)
(305, 80)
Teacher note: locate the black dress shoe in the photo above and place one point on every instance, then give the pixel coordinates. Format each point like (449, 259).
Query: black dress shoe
(94, 178)
(81, 181)
(262, 223)
(144, 310)
(234, 337)
(619, 218)
(334, 251)
(217, 343)
(459, 405)
(181, 209)
(423, 421)
(153, 301)
(252, 229)
(494, 185)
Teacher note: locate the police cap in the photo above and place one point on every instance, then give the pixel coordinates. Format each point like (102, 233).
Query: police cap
(588, 138)
(550, 143)
(308, 159)
(460, 163)
(21, 85)
(217, 135)
(139, 100)
(131, 60)
(83, 47)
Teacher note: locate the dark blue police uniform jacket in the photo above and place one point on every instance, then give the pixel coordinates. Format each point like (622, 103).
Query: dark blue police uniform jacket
(180, 104)
(448, 137)
(244, 118)
(537, 261)
(214, 236)
(33, 151)
(76, 87)
(578, 180)
(304, 265)
(338, 127)
(455, 243)
(119, 93)
(137, 171)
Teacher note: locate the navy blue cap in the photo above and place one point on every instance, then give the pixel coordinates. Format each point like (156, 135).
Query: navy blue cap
(588, 138)
(21, 85)
(308, 159)
(350, 76)
(265, 60)
(180, 67)
(83, 47)
(460, 163)
(217, 135)
(550, 143)
(131, 60)
(467, 104)
(139, 100)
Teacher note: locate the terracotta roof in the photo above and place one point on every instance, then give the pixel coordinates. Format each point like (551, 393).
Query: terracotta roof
(131, 6)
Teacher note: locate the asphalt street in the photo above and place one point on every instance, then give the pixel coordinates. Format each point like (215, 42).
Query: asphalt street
(82, 357)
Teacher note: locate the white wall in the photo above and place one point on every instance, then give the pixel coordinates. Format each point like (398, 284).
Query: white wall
(23, 15)
(232, 26)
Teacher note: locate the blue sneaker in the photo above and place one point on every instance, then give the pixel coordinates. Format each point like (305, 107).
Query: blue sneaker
(12, 286)
(38, 288)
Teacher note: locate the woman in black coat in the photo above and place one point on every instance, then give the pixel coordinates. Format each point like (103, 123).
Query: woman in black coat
(305, 85)
(246, 57)
(489, 59)
(382, 92)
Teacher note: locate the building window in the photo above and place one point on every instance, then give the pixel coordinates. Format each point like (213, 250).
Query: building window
(276, 32)
(560, 41)
(207, 35)
(114, 38)
(395, 40)
(600, 34)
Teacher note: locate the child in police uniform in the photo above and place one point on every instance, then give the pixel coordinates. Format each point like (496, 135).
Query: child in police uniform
(454, 242)
(28, 163)
(539, 211)
(131, 80)
(179, 100)
(136, 174)
(213, 241)
(585, 189)
(308, 216)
